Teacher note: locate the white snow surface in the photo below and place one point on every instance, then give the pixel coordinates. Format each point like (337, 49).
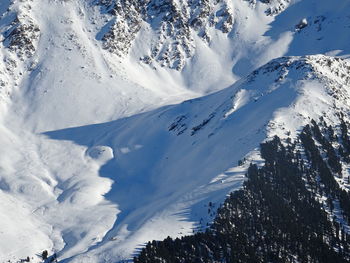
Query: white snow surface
(100, 155)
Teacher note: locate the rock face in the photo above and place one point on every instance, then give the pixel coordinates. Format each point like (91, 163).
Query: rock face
(124, 26)
(175, 24)
(21, 37)
(274, 6)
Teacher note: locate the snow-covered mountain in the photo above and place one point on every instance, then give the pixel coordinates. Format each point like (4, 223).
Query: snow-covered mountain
(187, 154)
(100, 155)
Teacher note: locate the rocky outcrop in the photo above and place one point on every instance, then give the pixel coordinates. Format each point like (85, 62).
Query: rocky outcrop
(124, 26)
(21, 37)
(174, 22)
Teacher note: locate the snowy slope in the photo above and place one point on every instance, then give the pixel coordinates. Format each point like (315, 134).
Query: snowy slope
(63, 60)
(96, 192)
(168, 164)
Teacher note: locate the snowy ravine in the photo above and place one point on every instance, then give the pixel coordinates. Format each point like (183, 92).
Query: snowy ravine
(100, 155)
